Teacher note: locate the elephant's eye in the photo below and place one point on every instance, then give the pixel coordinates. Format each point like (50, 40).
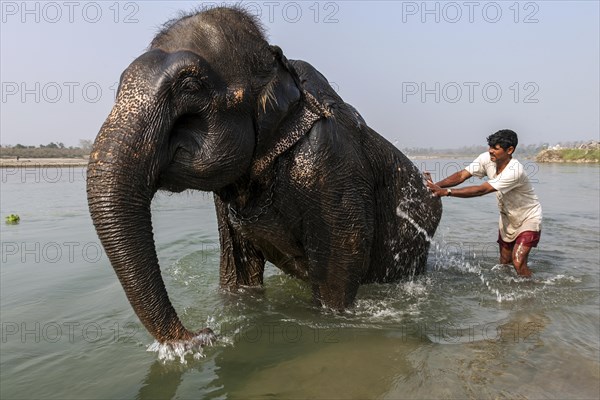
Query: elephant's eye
(191, 84)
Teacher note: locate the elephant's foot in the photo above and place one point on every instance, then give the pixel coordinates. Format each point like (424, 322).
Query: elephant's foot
(336, 298)
(206, 337)
(191, 344)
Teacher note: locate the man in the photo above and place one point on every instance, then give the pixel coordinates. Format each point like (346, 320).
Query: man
(520, 209)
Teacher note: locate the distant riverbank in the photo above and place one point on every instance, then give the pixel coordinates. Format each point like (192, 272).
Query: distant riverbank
(588, 153)
(43, 162)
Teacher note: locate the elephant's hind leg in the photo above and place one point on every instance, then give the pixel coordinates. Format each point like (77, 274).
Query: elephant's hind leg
(338, 264)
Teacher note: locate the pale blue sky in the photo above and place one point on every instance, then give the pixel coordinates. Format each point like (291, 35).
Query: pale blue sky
(435, 74)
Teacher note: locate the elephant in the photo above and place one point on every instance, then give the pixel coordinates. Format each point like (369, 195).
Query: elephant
(298, 178)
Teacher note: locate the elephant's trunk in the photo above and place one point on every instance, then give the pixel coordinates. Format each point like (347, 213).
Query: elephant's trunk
(121, 181)
(128, 241)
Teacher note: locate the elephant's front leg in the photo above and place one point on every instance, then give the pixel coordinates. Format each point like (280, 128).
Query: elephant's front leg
(241, 263)
(338, 249)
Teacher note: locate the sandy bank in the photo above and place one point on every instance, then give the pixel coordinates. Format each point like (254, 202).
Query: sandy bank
(43, 162)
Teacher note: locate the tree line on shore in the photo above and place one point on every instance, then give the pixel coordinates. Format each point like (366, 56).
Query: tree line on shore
(59, 150)
(524, 151)
(50, 150)
(573, 151)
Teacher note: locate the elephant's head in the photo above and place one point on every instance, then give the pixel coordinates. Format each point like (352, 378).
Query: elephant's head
(194, 112)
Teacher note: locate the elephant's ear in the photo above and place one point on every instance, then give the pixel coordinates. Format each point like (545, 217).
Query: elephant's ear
(284, 88)
(285, 113)
(277, 99)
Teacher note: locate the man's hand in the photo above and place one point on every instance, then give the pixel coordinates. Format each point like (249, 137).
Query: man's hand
(436, 190)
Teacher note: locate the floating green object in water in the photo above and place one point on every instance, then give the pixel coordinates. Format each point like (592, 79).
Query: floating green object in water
(13, 219)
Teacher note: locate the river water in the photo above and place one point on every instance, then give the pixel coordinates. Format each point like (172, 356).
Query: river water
(468, 328)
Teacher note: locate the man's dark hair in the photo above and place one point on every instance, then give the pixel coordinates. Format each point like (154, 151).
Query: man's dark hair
(505, 138)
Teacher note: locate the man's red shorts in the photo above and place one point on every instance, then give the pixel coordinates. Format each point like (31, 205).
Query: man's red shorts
(526, 238)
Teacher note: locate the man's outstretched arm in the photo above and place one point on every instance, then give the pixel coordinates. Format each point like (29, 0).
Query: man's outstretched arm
(455, 179)
(469, 191)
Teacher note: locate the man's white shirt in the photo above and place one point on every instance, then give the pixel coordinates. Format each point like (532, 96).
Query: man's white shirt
(519, 206)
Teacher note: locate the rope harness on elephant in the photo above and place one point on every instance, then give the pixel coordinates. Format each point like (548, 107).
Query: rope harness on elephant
(311, 111)
(297, 126)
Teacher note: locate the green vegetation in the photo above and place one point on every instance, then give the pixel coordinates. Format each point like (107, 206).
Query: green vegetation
(50, 150)
(579, 152)
(587, 155)
(13, 219)
(563, 152)
(524, 151)
(584, 153)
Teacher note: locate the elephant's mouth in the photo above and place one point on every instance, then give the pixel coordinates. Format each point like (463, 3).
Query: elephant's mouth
(170, 179)
(185, 161)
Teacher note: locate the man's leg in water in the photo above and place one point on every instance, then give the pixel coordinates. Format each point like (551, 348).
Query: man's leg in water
(520, 253)
(505, 254)
(506, 250)
(517, 252)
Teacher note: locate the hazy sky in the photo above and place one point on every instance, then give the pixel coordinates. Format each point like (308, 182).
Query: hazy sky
(423, 74)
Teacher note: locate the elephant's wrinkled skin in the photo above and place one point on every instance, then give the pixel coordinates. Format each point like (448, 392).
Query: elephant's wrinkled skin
(298, 178)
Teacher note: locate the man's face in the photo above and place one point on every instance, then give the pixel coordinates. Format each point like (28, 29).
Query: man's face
(498, 154)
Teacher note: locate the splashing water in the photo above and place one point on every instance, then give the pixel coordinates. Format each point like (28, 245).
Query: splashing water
(560, 279)
(494, 279)
(181, 349)
(418, 227)
(489, 281)
(171, 351)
